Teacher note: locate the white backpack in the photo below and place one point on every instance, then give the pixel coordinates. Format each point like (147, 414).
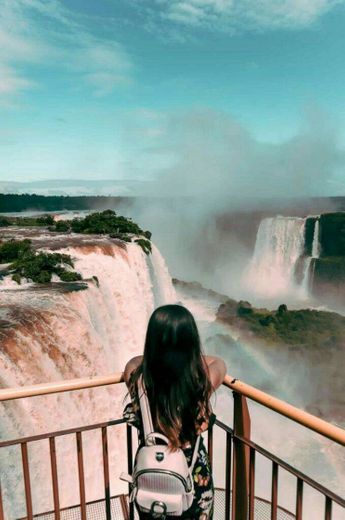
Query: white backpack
(162, 481)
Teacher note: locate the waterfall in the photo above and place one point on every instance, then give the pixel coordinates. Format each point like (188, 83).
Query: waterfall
(163, 289)
(279, 245)
(315, 253)
(51, 335)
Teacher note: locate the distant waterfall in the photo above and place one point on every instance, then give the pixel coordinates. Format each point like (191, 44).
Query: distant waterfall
(279, 245)
(50, 336)
(315, 253)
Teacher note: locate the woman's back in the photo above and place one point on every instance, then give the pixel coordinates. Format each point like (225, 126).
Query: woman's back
(179, 381)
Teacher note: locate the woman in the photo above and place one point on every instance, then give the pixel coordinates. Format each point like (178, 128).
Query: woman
(179, 382)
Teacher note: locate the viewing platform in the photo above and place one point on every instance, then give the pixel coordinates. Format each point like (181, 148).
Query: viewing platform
(236, 500)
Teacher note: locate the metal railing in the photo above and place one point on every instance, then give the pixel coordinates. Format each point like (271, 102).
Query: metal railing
(240, 453)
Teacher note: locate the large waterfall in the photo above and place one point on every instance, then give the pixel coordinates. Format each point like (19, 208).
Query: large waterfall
(278, 256)
(50, 335)
(279, 244)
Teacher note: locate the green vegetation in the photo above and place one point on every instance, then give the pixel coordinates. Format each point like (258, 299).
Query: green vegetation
(39, 267)
(106, 223)
(61, 226)
(26, 263)
(36, 266)
(43, 220)
(14, 249)
(103, 223)
(121, 236)
(10, 203)
(99, 223)
(144, 244)
(307, 328)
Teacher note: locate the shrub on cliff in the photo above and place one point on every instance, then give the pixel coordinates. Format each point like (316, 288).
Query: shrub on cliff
(61, 226)
(70, 276)
(13, 249)
(39, 267)
(107, 223)
(144, 244)
(104, 223)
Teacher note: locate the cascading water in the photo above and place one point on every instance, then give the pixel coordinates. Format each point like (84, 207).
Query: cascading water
(51, 335)
(316, 247)
(279, 245)
(315, 253)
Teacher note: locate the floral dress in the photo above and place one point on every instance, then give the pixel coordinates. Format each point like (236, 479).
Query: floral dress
(202, 506)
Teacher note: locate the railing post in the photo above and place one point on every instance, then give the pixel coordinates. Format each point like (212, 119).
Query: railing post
(241, 459)
(210, 445)
(228, 467)
(130, 467)
(106, 473)
(2, 516)
(53, 465)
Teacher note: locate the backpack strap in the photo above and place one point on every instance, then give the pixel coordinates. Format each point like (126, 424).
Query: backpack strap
(149, 433)
(195, 453)
(145, 413)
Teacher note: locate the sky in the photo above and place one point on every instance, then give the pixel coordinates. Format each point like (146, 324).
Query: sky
(246, 92)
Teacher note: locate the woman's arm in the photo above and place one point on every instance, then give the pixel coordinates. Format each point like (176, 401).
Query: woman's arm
(130, 367)
(216, 369)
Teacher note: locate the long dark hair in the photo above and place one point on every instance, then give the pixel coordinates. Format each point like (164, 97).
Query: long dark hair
(175, 374)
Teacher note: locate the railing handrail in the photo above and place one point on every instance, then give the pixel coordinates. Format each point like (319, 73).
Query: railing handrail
(66, 385)
(331, 431)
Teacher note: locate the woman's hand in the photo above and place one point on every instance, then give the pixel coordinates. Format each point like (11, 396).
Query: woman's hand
(216, 370)
(130, 367)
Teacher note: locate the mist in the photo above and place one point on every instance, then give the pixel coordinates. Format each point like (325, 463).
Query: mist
(209, 165)
(209, 154)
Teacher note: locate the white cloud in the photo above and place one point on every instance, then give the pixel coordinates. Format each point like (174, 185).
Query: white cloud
(36, 32)
(186, 12)
(230, 15)
(11, 81)
(104, 65)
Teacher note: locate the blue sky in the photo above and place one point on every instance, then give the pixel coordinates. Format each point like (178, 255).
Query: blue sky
(116, 89)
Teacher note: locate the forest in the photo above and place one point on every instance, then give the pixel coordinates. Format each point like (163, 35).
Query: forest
(10, 203)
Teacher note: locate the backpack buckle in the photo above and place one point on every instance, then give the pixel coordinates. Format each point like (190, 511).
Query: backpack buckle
(158, 509)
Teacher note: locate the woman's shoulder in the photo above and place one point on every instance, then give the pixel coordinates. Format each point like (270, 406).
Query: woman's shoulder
(130, 367)
(216, 368)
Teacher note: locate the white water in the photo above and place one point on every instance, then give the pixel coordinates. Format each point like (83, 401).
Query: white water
(64, 336)
(315, 253)
(316, 248)
(279, 244)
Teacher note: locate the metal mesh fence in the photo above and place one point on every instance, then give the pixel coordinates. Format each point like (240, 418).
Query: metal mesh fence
(96, 510)
(262, 508)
